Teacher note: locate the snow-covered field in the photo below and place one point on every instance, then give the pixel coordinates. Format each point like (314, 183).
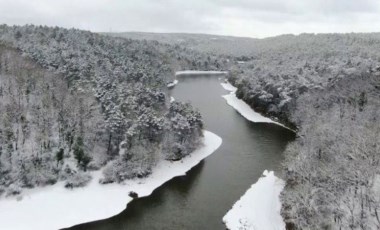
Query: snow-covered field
(243, 108)
(198, 72)
(55, 207)
(259, 208)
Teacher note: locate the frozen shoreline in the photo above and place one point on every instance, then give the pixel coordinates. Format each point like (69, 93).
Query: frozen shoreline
(198, 72)
(259, 208)
(56, 207)
(244, 109)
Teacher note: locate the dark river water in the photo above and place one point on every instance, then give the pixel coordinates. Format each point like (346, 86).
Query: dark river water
(200, 199)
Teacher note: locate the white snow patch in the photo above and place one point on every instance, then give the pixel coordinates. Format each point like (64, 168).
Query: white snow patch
(172, 84)
(198, 72)
(228, 86)
(259, 208)
(172, 99)
(56, 207)
(244, 109)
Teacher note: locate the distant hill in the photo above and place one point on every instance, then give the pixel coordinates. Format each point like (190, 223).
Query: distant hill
(227, 45)
(253, 47)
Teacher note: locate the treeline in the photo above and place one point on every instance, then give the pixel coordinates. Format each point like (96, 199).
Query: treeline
(285, 67)
(73, 101)
(190, 51)
(328, 88)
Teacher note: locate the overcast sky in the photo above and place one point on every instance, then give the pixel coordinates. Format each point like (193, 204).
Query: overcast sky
(253, 18)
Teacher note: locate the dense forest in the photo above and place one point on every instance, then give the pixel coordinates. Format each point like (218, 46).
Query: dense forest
(332, 170)
(74, 101)
(327, 87)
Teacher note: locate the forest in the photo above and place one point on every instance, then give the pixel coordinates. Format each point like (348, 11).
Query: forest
(73, 101)
(327, 88)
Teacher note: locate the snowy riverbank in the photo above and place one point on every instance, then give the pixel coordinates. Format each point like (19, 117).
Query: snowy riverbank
(259, 208)
(198, 72)
(55, 207)
(244, 109)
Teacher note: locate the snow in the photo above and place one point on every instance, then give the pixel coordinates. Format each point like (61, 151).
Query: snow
(172, 99)
(55, 207)
(198, 72)
(259, 208)
(172, 84)
(227, 86)
(244, 109)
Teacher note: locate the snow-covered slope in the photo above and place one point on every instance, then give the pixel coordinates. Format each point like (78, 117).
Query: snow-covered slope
(55, 207)
(259, 208)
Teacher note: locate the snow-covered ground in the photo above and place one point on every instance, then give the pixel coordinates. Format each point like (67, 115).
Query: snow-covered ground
(198, 72)
(243, 108)
(227, 86)
(55, 207)
(172, 99)
(259, 208)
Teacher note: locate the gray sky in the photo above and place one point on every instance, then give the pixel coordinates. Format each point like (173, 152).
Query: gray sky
(253, 18)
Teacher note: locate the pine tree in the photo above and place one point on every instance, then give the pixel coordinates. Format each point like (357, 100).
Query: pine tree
(59, 155)
(82, 158)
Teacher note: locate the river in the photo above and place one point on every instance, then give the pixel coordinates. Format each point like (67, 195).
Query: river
(200, 199)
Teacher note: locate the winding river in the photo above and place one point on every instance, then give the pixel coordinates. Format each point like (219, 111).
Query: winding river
(200, 199)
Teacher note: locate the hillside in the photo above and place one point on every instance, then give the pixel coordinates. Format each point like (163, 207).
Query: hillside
(327, 87)
(332, 169)
(74, 101)
(216, 44)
